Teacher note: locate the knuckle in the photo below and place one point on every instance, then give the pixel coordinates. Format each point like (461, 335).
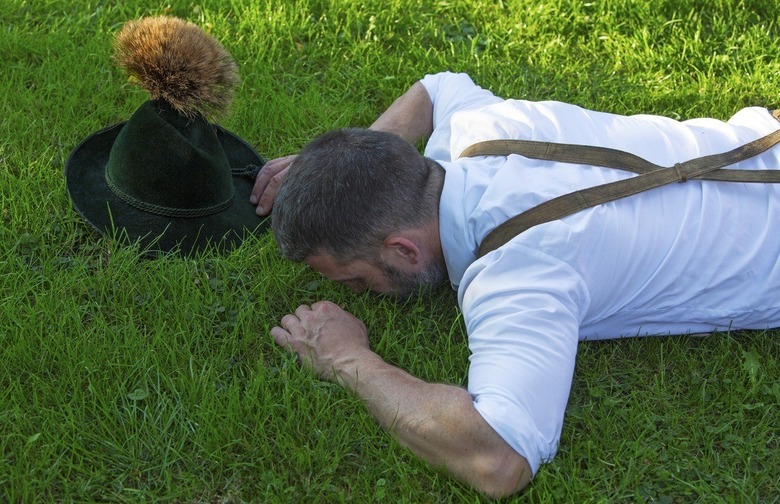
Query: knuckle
(321, 305)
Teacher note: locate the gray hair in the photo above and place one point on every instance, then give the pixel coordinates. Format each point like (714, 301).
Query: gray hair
(348, 190)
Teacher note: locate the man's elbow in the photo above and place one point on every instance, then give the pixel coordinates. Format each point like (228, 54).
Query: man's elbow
(501, 475)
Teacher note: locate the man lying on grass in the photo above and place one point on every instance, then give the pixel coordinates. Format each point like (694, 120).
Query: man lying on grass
(363, 207)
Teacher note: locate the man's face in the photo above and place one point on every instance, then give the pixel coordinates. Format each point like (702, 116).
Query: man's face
(360, 275)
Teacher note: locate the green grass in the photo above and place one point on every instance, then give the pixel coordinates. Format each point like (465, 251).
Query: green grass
(124, 379)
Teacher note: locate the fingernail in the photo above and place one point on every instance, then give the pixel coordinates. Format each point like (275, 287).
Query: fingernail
(253, 199)
(259, 210)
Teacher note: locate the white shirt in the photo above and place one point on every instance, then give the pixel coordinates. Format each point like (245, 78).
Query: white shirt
(685, 258)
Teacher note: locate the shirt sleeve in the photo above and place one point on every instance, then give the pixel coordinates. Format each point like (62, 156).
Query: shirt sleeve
(450, 93)
(521, 308)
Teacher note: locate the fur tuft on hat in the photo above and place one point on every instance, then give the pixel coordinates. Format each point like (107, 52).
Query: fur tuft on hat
(176, 61)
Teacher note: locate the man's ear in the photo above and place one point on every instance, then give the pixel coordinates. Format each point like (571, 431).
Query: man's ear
(399, 250)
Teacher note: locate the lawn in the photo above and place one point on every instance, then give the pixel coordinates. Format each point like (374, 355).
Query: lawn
(125, 379)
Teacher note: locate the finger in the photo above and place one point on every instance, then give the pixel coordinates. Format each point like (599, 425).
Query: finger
(282, 338)
(268, 170)
(302, 310)
(324, 305)
(268, 181)
(268, 196)
(290, 322)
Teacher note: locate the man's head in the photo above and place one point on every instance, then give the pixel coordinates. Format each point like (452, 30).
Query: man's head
(362, 197)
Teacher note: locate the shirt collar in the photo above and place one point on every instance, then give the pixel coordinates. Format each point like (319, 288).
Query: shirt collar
(458, 252)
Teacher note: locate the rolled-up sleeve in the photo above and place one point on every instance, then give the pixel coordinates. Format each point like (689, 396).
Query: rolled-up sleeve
(521, 309)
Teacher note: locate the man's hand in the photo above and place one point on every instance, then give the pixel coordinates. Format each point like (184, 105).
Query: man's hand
(410, 117)
(325, 337)
(267, 183)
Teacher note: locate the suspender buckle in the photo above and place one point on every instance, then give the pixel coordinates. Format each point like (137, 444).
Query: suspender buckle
(680, 173)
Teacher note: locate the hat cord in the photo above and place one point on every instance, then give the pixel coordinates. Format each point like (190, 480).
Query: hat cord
(187, 213)
(250, 171)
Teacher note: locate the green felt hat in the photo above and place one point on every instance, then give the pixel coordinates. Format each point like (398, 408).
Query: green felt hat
(166, 181)
(167, 178)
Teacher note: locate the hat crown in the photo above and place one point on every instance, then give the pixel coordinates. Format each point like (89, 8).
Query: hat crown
(167, 164)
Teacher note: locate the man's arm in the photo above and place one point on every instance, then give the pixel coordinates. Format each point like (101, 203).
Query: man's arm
(410, 117)
(437, 422)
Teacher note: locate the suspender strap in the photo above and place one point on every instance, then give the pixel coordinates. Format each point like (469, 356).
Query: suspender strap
(650, 176)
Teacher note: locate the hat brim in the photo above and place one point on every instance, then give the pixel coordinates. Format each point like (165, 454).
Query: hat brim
(111, 216)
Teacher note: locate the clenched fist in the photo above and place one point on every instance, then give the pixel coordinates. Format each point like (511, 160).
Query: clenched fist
(328, 339)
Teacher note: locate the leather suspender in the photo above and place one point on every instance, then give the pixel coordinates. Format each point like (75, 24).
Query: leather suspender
(649, 176)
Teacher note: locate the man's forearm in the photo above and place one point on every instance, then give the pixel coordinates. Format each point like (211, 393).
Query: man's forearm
(410, 116)
(438, 423)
